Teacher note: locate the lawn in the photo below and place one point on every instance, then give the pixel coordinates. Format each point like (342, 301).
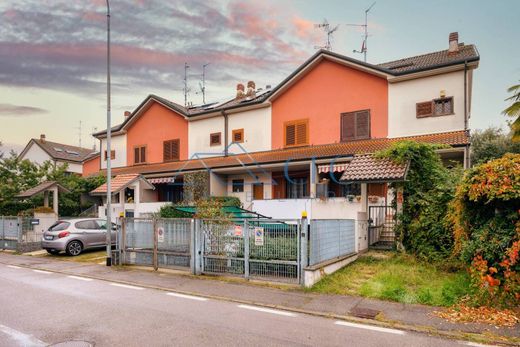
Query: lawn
(88, 256)
(397, 277)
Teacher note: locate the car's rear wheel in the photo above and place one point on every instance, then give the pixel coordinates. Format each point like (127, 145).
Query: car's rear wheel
(53, 251)
(74, 248)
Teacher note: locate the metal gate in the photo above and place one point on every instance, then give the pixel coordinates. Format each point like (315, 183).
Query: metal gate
(260, 248)
(9, 232)
(381, 226)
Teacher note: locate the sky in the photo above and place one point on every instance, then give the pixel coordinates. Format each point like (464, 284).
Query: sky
(53, 52)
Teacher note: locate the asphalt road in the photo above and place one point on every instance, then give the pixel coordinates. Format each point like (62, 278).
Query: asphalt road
(43, 308)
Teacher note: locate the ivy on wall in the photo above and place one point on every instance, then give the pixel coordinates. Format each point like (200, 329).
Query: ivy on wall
(196, 187)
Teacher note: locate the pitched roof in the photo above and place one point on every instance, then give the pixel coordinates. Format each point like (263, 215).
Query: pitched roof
(368, 168)
(60, 151)
(119, 183)
(29, 193)
(431, 60)
(455, 138)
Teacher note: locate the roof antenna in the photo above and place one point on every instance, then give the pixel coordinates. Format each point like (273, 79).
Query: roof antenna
(94, 130)
(186, 89)
(364, 46)
(202, 85)
(326, 28)
(79, 133)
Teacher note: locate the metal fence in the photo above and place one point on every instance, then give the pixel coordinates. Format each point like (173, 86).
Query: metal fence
(18, 234)
(330, 239)
(168, 246)
(381, 225)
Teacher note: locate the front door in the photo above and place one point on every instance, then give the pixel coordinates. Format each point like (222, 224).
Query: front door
(258, 191)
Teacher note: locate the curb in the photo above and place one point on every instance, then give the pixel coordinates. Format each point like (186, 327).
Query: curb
(452, 335)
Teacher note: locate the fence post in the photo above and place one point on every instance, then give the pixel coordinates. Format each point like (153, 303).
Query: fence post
(122, 245)
(3, 233)
(155, 245)
(246, 249)
(304, 252)
(199, 232)
(193, 248)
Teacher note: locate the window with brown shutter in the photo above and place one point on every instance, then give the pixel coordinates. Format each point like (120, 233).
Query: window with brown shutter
(238, 135)
(423, 109)
(112, 155)
(171, 150)
(214, 139)
(139, 154)
(355, 125)
(296, 133)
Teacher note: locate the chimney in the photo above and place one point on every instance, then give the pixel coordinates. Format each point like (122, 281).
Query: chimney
(240, 91)
(42, 138)
(127, 114)
(454, 43)
(251, 89)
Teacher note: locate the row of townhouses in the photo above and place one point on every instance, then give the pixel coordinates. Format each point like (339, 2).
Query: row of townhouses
(303, 145)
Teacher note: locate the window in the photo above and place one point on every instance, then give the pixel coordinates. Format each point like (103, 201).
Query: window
(112, 155)
(214, 139)
(237, 186)
(355, 125)
(297, 188)
(171, 150)
(296, 133)
(59, 226)
(86, 225)
(351, 189)
(238, 135)
(436, 107)
(443, 106)
(139, 154)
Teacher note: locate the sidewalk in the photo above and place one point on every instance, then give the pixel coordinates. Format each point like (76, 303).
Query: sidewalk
(404, 316)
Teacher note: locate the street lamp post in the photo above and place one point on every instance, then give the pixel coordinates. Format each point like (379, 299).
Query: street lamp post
(108, 149)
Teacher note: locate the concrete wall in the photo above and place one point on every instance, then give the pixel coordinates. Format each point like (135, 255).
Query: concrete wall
(283, 208)
(246, 197)
(199, 135)
(403, 96)
(217, 184)
(36, 155)
(118, 144)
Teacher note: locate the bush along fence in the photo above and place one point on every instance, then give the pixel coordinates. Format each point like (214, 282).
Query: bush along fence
(19, 234)
(264, 249)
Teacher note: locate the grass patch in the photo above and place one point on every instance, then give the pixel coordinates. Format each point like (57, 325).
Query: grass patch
(88, 256)
(397, 277)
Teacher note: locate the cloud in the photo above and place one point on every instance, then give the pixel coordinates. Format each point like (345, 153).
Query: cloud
(62, 44)
(9, 110)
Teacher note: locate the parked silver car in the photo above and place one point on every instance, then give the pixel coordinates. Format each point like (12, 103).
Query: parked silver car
(75, 235)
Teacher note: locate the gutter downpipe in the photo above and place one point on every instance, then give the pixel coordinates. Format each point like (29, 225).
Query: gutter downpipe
(467, 158)
(225, 115)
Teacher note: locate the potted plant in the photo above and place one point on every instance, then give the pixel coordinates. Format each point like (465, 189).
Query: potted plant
(358, 198)
(350, 198)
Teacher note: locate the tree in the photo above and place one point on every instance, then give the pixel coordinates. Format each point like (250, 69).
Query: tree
(491, 143)
(514, 111)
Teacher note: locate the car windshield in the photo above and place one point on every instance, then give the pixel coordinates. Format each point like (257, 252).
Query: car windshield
(59, 226)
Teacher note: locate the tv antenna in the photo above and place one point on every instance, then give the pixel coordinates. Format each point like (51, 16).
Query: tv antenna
(364, 46)
(325, 26)
(186, 89)
(94, 130)
(202, 85)
(79, 133)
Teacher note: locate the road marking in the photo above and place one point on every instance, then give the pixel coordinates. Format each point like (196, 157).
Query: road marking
(14, 267)
(21, 338)
(198, 298)
(80, 278)
(126, 286)
(268, 310)
(370, 327)
(42, 272)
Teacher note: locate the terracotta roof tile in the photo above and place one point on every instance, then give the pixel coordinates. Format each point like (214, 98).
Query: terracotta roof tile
(119, 182)
(455, 138)
(41, 188)
(368, 168)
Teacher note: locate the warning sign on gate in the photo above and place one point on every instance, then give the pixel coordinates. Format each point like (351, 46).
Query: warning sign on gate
(160, 234)
(238, 230)
(259, 236)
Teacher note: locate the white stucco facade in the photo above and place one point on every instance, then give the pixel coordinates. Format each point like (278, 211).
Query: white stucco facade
(403, 97)
(255, 123)
(118, 144)
(37, 155)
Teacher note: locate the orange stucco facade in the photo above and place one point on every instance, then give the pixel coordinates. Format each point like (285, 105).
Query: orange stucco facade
(322, 94)
(156, 125)
(92, 166)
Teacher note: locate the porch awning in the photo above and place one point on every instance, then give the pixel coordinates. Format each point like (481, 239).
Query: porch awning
(339, 167)
(367, 168)
(161, 180)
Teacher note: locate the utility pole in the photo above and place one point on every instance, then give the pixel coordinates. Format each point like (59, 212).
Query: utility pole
(364, 46)
(109, 138)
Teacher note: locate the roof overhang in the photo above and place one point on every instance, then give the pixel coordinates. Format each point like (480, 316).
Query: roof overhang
(42, 187)
(368, 168)
(458, 66)
(102, 189)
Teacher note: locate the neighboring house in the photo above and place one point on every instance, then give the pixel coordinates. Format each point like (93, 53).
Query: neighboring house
(41, 150)
(275, 148)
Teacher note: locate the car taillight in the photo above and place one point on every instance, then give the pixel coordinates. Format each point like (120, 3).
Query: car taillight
(63, 234)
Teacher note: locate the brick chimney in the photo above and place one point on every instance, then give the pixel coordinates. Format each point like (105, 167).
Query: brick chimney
(240, 91)
(453, 43)
(42, 138)
(127, 114)
(251, 89)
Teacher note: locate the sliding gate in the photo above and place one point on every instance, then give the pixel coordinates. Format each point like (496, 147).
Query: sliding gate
(258, 248)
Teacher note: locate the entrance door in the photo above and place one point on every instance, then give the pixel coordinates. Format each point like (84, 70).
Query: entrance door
(258, 191)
